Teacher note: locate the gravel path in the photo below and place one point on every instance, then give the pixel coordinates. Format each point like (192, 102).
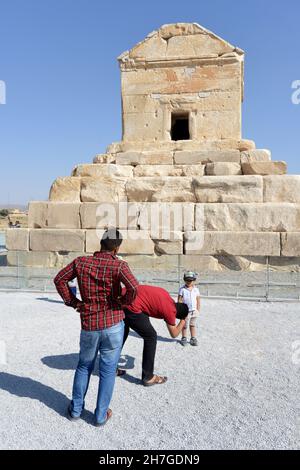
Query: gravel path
(239, 389)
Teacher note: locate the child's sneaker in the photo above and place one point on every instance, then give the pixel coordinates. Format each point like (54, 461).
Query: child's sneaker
(183, 341)
(194, 341)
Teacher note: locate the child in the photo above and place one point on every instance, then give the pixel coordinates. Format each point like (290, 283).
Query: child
(190, 295)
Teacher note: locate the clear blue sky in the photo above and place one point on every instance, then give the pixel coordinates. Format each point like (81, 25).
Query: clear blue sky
(58, 60)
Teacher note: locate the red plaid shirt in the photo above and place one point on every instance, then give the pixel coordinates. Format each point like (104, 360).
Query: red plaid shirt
(99, 279)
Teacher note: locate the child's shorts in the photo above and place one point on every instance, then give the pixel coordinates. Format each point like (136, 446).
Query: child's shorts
(191, 319)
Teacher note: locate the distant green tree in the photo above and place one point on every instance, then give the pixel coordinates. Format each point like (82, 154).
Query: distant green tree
(4, 212)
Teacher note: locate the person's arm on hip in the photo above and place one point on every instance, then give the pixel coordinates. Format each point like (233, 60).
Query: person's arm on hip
(61, 281)
(130, 283)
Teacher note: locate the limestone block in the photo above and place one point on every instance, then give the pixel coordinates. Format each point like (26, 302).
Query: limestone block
(169, 170)
(182, 145)
(100, 170)
(228, 189)
(282, 188)
(134, 242)
(104, 158)
(215, 125)
(17, 239)
(63, 215)
(162, 219)
(56, 240)
(37, 214)
(168, 189)
(171, 246)
(190, 157)
(223, 168)
(253, 217)
(157, 170)
(54, 214)
(262, 155)
(264, 168)
(103, 189)
(65, 189)
(246, 145)
(199, 263)
(101, 215)
(290, 244)
(144, 158)
(170, 80)
(192, 170)
(232, 243)
(43, 259)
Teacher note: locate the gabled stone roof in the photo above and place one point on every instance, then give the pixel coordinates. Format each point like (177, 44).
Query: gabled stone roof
(180, 41)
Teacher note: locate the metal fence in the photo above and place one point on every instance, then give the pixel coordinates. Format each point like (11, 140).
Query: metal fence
(264, 285)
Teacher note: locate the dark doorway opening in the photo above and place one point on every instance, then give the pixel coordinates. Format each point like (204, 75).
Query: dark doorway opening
(180, 126)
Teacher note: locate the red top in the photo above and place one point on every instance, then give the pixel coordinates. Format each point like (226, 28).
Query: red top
(99, 279)
(154, 301)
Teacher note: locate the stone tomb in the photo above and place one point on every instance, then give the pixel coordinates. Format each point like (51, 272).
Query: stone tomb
(182, 184)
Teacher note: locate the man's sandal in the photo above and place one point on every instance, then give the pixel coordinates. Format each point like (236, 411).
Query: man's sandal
(120, 372)
(158, 380)
(108, 416)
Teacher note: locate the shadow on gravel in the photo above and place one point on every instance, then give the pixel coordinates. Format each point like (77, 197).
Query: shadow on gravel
(69, 362)
(46, 299)
(29, 388)
(159, 338)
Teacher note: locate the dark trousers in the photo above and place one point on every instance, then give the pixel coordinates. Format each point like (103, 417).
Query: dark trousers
(140, 323)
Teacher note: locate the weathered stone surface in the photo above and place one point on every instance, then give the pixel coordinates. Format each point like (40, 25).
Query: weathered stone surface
(174, 246)
(103, 189)
(144, 158)
(161, 219)
(54, 214)
(101, 215)
(63, 215)
(189, 158)
(282, 188)
(228, 189)
(257, 155)
(100, 170)
(168, 189)
(264, 168)
(65, 189)
(169, 170)
(37, 214)
(43, 259)
(56, 240)
(104, 158)
(134, 242)
(232, 243)
(17, 239)
(223, 168)
(256, 217)
(290, 244)
(157, 170)
(181, 145)
(193, 170)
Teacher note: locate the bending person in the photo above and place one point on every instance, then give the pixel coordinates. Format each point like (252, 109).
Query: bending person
(152, 301)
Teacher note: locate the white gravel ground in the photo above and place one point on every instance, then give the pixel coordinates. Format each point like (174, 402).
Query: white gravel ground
(238, 390)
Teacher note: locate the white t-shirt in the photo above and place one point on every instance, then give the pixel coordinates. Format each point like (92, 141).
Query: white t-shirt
(189, 297)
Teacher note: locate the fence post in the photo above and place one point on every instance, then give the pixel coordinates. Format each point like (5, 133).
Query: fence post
(268, 281)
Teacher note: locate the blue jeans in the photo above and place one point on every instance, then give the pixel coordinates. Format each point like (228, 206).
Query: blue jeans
(109, 343)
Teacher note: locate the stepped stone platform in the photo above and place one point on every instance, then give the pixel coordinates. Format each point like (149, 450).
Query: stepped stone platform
(183, 185)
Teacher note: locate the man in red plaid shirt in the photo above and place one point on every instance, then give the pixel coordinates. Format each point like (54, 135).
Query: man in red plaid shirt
(99, 279)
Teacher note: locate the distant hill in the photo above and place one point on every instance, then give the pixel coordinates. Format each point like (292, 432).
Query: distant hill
(21, 207)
